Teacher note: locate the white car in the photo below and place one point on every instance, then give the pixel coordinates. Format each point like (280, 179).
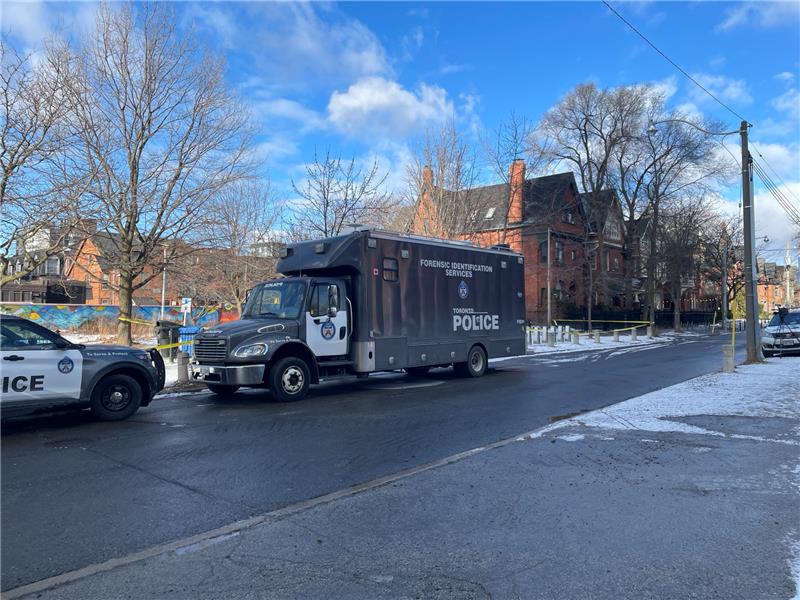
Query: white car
(782, 333)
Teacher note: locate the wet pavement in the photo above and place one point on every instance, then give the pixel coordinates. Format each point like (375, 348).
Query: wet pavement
(76, 492)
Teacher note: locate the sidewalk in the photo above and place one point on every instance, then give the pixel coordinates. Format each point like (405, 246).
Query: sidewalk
(692, 491)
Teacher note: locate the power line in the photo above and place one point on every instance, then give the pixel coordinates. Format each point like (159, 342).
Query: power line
(764, 160)
(673, 63)
(791, 211)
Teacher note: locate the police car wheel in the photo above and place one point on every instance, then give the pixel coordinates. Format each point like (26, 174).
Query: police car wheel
(221, 390)
(475, 365)
(116, 397)
(289, 379)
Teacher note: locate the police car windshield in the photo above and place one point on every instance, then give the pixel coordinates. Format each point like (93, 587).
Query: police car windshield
(792, 318)
(278, 299)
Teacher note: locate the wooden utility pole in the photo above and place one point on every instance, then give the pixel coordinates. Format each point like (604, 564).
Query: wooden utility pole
(751, 293)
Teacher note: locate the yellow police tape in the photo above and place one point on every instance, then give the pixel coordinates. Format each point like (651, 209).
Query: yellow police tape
(136, 321)
(165, 346)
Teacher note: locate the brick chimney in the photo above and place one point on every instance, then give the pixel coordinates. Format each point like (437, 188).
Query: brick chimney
(516, 182)
(427, 178)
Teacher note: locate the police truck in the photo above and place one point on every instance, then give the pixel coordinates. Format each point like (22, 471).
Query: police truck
(368, 301)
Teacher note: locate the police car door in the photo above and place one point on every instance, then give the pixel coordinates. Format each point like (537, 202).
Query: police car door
(326, 335)
(34, 367)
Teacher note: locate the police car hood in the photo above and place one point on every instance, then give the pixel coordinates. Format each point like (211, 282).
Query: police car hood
(793, 328)
(109, 348)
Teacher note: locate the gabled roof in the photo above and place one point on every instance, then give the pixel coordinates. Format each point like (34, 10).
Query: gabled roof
(605, 200)
(539, 193)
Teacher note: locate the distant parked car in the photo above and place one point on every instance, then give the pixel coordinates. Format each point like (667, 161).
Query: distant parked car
(41, 370)
(782, 333)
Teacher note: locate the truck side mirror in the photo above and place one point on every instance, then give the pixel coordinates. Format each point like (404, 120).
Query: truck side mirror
(332, 311)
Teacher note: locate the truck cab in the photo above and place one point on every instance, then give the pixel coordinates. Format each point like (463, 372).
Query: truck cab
(303, 323)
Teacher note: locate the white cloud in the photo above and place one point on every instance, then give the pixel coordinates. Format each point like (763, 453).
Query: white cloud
(785, 76)
(771, 219)
(453, 68)
(726, 89)
(789, 103)
(31, 23)
(761, 14)
(376, 107)
(667, 87)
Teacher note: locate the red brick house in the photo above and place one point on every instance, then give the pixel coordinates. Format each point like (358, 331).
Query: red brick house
(523, 213)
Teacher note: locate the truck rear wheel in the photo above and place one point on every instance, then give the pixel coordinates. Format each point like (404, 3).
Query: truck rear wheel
(289, 379)
(116, 397)
(475, 365)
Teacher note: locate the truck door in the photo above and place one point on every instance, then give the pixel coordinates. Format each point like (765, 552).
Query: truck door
(326, 320)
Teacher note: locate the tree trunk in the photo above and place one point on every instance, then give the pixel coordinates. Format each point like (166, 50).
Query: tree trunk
(125, 309)
(676, 300)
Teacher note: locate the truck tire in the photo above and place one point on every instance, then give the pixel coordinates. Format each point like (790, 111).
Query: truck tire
(289, 379)
(475, 365)
(221, 390)
(417, 371)
(115, 397)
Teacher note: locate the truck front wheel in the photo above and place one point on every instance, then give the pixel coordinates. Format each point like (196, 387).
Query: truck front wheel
(289, 379)
(475, 365)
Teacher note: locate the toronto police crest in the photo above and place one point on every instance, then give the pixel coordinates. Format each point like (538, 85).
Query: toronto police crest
(328, 329)
(65, 365)
(463, 290)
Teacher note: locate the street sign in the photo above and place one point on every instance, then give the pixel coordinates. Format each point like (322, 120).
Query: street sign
(186, 305)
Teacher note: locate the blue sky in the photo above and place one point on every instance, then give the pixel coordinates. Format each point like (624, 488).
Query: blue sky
(366, 79)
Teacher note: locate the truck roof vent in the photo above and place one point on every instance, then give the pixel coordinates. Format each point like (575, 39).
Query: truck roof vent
(500, 247)
(353, 227)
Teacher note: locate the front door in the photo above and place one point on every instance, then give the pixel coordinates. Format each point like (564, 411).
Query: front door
(34, 368)
(327, 335)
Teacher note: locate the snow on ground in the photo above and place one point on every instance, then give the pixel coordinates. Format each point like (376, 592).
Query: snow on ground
(606, 342)
(759, 390)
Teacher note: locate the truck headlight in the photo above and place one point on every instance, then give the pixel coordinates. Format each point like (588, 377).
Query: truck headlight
(251, 350)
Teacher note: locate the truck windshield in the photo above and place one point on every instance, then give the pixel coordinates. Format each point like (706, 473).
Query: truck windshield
(280, 299)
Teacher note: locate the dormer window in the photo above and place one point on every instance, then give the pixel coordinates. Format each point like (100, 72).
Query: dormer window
(489, 213)
(568, 216)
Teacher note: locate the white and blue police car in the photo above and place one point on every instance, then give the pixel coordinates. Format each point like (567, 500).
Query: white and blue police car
(40, 370)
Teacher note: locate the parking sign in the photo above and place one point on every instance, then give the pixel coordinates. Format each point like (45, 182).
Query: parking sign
(186, 305)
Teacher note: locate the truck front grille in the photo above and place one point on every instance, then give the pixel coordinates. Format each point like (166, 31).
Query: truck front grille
(210, 349)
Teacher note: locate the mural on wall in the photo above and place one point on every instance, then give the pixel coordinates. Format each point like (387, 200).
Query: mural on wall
(70, 317)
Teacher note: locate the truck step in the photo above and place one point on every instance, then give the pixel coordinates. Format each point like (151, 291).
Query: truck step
(335, 363)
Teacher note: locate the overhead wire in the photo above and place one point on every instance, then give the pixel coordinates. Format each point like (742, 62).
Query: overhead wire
(672, 62)
(764, 160)
(786, 205)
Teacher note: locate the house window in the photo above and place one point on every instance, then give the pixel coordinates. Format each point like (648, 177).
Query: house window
(559, 251)
(105, 282)
(104, 301)
(568, 216)
(489, 213)
(543, 252)
(51, 266)
(390, 269)
(608, 261)
(572, 255)
(616, 263)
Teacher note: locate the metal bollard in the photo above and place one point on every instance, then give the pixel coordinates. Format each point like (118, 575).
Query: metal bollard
(183, 367)
(551, 338)
(596, 334)
(576, 337)
(633, 334)
(616, 335)
(727, 359)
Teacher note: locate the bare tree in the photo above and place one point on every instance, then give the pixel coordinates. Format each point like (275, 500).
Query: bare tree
(336, 192)
(40, 188)
(514, 140)
(158, 125)
(681, 243)
(440, 183)
(584, 130)
(240, 250)
(723, 244)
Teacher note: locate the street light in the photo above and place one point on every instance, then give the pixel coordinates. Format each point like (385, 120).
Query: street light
(591, 247)
(748, 221)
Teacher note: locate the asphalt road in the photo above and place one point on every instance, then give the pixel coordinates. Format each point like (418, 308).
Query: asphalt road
(77, 492)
